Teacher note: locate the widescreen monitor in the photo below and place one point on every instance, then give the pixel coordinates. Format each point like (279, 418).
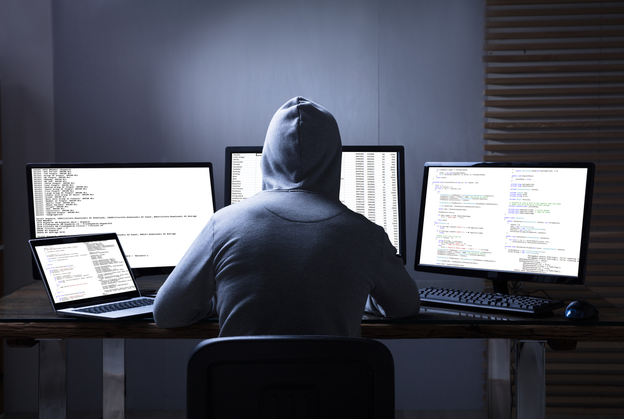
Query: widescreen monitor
(156, 209)
(372, 183)
(506, 221)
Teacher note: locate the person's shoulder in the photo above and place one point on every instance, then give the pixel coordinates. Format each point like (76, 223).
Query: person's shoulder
(237, 209)
(362, 221)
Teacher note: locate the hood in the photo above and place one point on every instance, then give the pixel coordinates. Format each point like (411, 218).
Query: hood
(302, 149)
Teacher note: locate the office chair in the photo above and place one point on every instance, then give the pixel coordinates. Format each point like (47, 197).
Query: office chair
(290, 377)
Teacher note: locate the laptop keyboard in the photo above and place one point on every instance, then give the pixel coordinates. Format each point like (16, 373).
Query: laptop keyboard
(107, 308)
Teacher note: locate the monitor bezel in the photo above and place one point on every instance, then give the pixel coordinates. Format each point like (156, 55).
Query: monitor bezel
(499, 276)
(137, 272)
(399, 149)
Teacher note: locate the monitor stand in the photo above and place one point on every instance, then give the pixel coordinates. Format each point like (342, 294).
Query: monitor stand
(500, 286)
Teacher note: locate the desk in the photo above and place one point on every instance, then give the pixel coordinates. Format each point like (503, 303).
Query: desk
(26, 316)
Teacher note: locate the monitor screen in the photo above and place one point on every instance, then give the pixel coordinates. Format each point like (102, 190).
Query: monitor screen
(506, 221)
(156, 209)
(372, 184)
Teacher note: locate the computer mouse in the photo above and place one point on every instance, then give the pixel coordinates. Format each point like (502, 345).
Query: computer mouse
(580, 310)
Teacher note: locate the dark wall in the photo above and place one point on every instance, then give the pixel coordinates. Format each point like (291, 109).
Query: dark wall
(27, 104)
(178, 80)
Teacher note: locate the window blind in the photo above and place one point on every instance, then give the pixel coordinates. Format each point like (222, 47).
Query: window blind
(554, 91)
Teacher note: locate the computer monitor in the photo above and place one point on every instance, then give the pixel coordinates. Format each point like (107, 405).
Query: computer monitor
(506, 221)
(372, 183)
(156, 209)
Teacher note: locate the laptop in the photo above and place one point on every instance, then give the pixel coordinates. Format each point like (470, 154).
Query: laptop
(89, 276)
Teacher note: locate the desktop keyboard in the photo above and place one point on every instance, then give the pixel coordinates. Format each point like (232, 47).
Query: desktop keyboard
(475, 300)
(107, 308)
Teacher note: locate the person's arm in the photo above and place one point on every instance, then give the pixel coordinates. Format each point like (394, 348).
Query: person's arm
(186, 295)
(396, 293)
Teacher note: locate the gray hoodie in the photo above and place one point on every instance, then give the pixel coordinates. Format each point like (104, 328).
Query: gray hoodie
(291, 259)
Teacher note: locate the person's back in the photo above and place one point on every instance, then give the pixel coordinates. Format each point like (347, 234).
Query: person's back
(292, 259)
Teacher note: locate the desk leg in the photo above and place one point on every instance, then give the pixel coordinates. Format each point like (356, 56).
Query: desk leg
(499, 379)
(531, 379)
(52, 379)
(114, 379)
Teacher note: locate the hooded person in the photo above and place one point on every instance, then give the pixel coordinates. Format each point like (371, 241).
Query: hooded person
(292, 259)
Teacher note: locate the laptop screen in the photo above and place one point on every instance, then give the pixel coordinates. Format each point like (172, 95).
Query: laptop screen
(77, 269)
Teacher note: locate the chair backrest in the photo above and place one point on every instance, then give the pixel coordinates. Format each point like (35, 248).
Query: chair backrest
(290, 377)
